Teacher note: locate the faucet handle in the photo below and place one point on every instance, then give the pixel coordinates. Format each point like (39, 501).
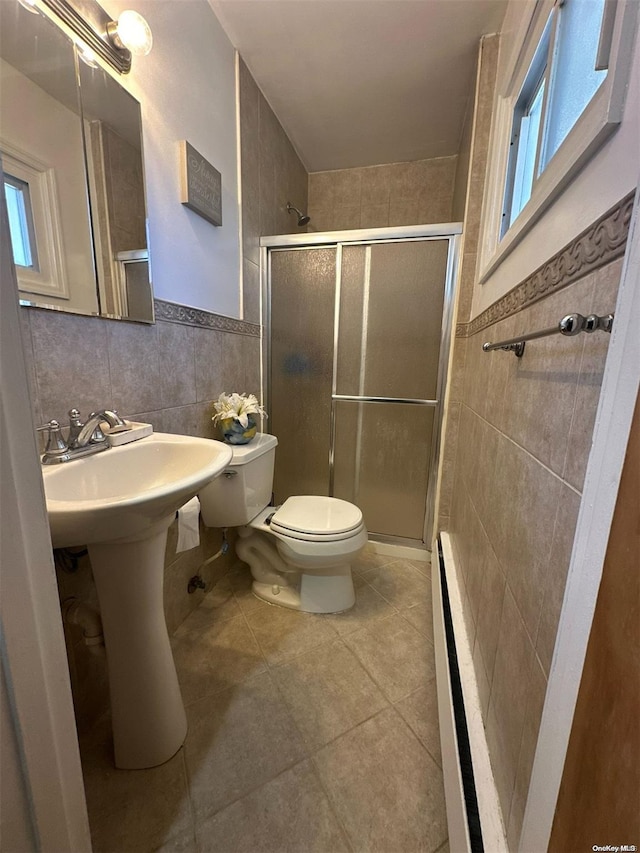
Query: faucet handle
(56, 445)
(75, 425)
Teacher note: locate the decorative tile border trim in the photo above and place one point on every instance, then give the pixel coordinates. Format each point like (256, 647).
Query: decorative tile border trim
(598, 245)
(173, 312)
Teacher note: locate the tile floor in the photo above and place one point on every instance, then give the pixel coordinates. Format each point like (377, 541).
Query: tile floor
(307, 734)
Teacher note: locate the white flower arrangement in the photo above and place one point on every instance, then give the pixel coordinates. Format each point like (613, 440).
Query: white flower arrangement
(238, 407)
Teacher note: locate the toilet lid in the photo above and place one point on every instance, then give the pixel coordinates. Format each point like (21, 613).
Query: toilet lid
(319, 516)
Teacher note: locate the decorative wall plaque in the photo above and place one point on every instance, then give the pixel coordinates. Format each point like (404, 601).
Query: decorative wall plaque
(201, 185)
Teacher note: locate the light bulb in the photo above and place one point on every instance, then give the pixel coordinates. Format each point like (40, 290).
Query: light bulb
(87, 55)
(30, 6)
(133, 32)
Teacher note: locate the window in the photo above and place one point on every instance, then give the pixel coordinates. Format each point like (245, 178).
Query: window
(23, 241)
(562, 79)
(34, 224)
(561, 94)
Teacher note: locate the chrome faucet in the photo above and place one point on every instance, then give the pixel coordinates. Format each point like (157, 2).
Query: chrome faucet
(90, 432)
(83, 439)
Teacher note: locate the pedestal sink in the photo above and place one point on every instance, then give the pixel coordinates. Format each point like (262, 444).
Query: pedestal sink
(120, 504)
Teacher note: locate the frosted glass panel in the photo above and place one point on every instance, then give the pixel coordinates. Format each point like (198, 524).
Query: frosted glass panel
(382, 464)
(302, 309)
(391, 318)
(575, 79)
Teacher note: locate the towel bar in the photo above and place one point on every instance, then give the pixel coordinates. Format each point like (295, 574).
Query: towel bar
(570, 325)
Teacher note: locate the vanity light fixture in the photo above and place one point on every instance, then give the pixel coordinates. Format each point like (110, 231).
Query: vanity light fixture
(131, 32)
(111, 41)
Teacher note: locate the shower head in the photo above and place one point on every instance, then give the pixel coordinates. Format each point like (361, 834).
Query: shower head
(302, 218)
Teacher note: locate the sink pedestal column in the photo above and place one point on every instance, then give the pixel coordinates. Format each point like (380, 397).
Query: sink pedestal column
(149, 720)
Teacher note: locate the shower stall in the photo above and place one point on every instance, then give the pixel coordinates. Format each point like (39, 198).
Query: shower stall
(356, 345)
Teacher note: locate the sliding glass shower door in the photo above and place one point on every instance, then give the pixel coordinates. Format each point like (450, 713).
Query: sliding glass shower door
(354, 373)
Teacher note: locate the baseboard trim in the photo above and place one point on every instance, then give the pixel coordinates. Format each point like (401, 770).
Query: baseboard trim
(490, 835)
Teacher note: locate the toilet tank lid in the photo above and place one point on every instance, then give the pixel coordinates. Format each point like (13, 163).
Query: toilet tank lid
(243, 453)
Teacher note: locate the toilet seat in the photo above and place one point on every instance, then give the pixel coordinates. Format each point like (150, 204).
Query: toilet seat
(312, 518)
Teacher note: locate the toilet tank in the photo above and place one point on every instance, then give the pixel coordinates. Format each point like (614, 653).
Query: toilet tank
(244, 488)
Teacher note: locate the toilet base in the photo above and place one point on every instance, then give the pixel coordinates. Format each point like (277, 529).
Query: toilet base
(313, 594)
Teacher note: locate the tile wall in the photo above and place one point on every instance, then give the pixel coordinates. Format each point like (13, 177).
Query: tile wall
(601, 777)
(469, 187)
(414, 193)
(165, 374)
(516, 444)
(272, 175)
(524, 438)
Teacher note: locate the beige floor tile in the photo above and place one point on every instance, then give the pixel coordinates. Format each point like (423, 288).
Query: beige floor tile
(135, 810)
(400, 583)
(421, 617)
(283, 634)
(369, 559)
(241, 583)
(290, 813)
(420, 711)
(369, 606)
(221, 600)
(180, 844)
(423, 566)
(213, 658)
(385, 788)
(398, 658)
(328, 692)
(217, 606)
(237, 741)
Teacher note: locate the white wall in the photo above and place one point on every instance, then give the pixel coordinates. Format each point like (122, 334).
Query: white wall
(608, 177)
(16, 828)
(39, 125)
(186, 86)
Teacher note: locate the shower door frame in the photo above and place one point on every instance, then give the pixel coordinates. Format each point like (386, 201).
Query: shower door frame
(450, 231)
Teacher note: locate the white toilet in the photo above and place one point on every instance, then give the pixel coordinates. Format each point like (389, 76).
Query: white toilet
(299, 553)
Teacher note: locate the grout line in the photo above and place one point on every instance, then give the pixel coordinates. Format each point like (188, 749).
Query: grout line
(332, 807)
(523, 449)
(247, 793)
(431, 681)
(583, 355)
(508, 585)
(187, 779)
(442, 846)
(314, 750)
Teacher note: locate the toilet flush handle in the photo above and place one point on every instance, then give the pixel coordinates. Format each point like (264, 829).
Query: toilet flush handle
(230, 473)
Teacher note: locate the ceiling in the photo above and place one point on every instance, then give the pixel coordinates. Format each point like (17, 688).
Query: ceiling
(362, 82)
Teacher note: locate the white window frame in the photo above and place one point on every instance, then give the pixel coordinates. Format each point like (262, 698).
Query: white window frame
(598, 121)
(49, 279)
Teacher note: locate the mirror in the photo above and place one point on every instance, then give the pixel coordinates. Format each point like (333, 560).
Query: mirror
(71, 145)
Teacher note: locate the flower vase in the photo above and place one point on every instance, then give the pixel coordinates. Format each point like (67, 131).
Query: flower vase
(234, 433)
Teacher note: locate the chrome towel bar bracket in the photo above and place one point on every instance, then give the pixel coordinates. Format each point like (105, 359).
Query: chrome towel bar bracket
(570, 325)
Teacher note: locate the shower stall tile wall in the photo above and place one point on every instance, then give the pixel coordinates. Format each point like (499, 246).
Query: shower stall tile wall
(415, 193)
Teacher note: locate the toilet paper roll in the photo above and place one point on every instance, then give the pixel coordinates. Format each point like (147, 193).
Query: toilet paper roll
(188, 525)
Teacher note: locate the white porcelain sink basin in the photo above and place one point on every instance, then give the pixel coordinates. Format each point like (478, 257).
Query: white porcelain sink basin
(124, 491)
(120, 503)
